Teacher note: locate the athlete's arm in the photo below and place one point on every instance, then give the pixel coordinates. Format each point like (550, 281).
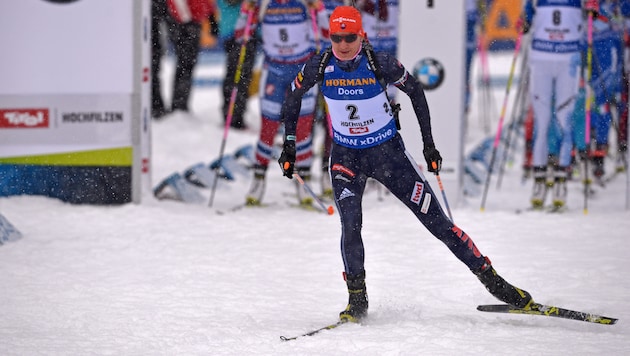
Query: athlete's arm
(395, 73)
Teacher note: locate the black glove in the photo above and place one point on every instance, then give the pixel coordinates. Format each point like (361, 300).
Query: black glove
(287, 158)
(432, 155)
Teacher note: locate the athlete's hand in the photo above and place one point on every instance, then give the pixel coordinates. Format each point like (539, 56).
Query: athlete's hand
(434, 160)
(287, 158)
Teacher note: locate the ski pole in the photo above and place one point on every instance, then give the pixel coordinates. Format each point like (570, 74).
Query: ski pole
(329, 210)
(518, 113)
(497, 137)
(228, 119)
(437, 176)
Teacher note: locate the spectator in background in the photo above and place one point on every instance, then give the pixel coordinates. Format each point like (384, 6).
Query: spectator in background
(229, 11)
(182, 20)
(380, 20)
(554, 59)
(606, 74)
(158, 17)
(288, 42)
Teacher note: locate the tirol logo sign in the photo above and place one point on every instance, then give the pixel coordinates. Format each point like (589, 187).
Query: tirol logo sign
(61, 1)
(23, 118)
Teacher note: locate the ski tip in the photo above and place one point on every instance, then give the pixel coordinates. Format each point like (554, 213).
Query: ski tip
(488, 307)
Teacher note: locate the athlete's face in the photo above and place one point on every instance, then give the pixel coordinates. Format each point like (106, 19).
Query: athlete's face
(345, 45)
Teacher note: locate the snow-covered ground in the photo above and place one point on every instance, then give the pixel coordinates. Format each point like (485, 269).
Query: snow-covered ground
(168, 278)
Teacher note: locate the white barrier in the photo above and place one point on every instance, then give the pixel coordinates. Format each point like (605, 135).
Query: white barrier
(432, 45)
(74, 99)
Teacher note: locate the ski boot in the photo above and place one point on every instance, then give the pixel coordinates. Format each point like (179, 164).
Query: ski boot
(578, 171)
(540, 188)
(598, 170)
(620, 163)
(357, 301)
(559, 192)
(598, 163)
(502, 290)
(256, 191)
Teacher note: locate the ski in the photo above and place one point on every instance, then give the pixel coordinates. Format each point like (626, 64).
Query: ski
(607, 179)
(313, 332)
(548, 310)
(245, 206)
(529, 209)
(557, 209)
(552, 209)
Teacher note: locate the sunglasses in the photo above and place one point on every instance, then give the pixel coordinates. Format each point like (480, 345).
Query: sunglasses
(348, 38)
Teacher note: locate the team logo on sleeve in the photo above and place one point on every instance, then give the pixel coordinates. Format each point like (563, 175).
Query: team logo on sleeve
(429, 72)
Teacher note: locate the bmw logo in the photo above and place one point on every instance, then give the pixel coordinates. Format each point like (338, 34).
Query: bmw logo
(429, 72)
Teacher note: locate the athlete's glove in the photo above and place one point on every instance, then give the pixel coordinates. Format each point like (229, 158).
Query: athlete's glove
(434, 160)
(287, 158)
